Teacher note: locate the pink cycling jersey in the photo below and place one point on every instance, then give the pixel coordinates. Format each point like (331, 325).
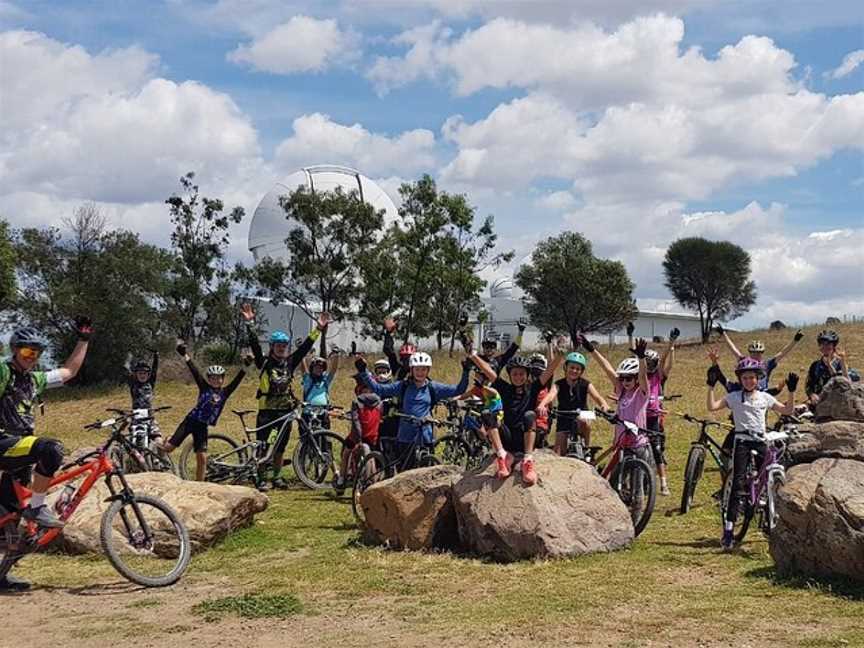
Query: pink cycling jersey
(632, 407)
(655, 391)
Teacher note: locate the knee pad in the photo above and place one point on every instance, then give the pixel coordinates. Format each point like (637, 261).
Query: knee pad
(49, 453)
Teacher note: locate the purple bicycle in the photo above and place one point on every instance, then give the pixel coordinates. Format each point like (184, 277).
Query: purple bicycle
(763, 482)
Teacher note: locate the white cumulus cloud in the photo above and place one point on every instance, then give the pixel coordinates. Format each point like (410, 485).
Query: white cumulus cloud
(849, 64)
(302, 44)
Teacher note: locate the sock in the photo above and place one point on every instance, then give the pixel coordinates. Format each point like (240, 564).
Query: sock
(663, 483)
(37, 500)
(729, 526)
(502, 453)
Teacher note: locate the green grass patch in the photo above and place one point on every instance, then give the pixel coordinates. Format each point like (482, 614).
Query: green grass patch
(250, 606)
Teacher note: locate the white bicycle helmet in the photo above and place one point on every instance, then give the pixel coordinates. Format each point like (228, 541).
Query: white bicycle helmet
(653, 359)
(628, 367)
(215, 370)
(383, 363)
(419, 359)
(756, 346)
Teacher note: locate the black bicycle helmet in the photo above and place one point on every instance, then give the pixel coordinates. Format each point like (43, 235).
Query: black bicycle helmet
(518, 362)
(828, 336)
(27, 337)
(141, 365)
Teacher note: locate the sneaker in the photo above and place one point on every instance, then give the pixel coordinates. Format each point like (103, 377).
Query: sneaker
(280, 484)
(728, 540)
(263, 486)
(12, 584)
(504, 466)
(529, 475)
(339, 485)
(43, 517)
(664, 490)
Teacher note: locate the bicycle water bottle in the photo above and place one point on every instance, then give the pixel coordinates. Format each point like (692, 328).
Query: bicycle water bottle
(64, 498)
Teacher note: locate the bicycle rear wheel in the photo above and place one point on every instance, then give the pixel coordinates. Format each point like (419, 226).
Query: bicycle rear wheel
(9, 539)
(223, 459)
(745, 511)
(371, 469)
(692, 474)
(317, 459)
(452, 450)
(145, 541)
(633, 479)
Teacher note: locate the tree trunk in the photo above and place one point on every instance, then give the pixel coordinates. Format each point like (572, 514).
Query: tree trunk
(439, 337)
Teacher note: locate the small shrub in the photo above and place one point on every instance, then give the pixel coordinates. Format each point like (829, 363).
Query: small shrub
(777, 325)
(833, 321)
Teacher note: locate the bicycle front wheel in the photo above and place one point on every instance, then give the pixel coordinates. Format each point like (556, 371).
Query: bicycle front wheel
(745, 511)
(692, 474)
(634, 481)
(452, 450)
(371, 469)
(145, 541)
(317, 459)
(224, 459)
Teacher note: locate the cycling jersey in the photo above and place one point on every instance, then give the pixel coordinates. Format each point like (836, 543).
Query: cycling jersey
(365, 420)
(571, 397)
(656, 382)
(492, 403)
(142, 393)
(316, 391)
(211, 400)
(517, 400)
(819, 374)
(19, 392)
(274, 386)
(632, 407)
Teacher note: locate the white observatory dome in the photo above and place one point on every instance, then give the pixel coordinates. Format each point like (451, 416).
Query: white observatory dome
(270, 225)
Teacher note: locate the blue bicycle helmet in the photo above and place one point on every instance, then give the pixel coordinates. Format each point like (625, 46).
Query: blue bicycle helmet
(280, 337)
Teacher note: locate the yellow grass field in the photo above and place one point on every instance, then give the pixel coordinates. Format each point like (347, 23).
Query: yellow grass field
(674, 587)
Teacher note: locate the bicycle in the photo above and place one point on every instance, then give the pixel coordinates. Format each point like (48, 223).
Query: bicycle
(695, 466)
(576, 448)
(630, 475)
(463, 446)
(762, 485)
(145, 456)
(139, 534)
(377, 466)
(316, 454)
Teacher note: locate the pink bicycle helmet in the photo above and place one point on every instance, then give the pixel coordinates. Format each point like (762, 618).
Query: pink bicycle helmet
(750, 364)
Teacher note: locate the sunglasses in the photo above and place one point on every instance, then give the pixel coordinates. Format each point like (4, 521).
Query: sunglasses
(382, 371)
(627, 378)
(28, 353)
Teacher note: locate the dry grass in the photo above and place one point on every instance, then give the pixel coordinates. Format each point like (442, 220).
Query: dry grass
(672, 587)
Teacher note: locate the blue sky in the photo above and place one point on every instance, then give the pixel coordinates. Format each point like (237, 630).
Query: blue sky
(655, 119)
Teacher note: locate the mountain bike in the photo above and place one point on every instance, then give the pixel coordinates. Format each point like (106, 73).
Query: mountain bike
(142, 537)
(576, 448)
(763, 482)
(145, 456)
(463, 446)
(630, 470)
(704, 444)
(378, 465)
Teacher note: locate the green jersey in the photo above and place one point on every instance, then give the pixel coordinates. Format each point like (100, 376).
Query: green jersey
(19, 393)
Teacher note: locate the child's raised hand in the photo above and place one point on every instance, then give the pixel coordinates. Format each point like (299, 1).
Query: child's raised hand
(247, 313)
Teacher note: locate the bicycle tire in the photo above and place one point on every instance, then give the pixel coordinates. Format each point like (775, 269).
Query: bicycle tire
(148, 461)
(371, 469)
(452, 450)
(692, 474)
(174, 539)
(185, 467)
(775, 481)
(318, 456)
(745, 512)
(634, 471)
(8, 535)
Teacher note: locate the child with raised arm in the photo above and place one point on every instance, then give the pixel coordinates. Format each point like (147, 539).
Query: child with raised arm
(212, 397)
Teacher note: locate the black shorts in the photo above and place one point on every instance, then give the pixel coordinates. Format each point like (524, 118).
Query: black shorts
(197, 429)
(658, 441)
(265, 420)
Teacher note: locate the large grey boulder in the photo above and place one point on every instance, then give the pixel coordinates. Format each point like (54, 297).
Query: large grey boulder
(209, 511)
(820, 531)
(841, 400)
(832, 439)
(413, 510)
(571, 511)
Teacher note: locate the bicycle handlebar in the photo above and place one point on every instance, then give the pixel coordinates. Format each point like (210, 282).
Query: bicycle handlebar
(706, 422)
